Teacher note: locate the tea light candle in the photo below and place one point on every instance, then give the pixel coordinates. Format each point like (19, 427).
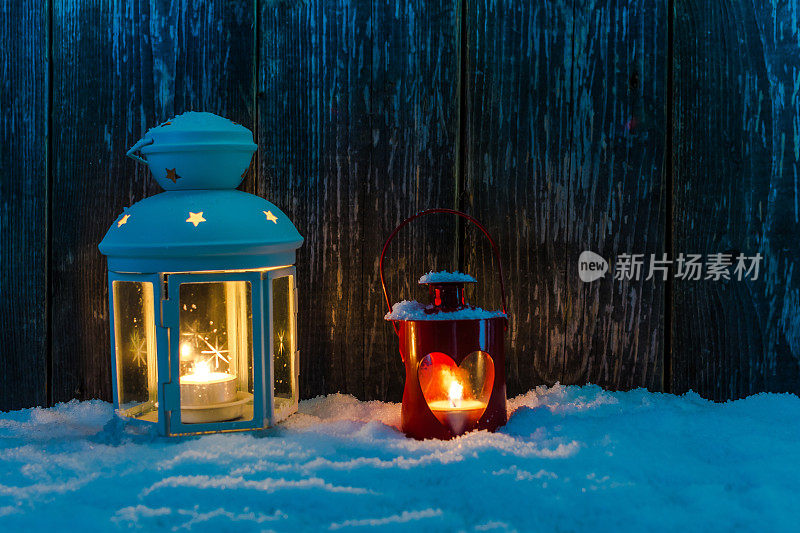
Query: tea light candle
(457, 413)
(205, 388)
(457, 418)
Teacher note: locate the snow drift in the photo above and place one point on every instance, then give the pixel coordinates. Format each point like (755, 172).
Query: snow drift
(570, 459)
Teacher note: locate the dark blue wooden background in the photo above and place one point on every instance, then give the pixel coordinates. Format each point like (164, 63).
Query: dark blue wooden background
(619, 126)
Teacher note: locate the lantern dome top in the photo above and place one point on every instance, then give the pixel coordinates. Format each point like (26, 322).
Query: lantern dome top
(195, 127)
(196, 151)
(201, 222)
(189, 230)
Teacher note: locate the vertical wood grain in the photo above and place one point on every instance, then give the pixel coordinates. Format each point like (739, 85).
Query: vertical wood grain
(517, 173)
(616, 195)
(23, 203)
(120, 68)
(565, 150)
(357, 125)
(737, 139)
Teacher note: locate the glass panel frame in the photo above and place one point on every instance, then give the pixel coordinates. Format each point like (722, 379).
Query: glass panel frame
(282, 412)
(171, 314)
(160, 340)
(216, 350)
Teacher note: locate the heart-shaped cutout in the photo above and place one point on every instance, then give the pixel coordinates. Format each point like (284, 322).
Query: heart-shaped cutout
(457, 395)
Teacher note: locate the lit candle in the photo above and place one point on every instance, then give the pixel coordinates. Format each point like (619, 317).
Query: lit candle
(457, 413)
(204, 388)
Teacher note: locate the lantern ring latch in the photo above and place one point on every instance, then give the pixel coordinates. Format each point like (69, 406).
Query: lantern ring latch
(144, 141)
(495, 251)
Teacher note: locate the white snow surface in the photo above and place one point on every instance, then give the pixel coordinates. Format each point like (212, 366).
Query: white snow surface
(445, 277)
(570, 459)
(413, 310)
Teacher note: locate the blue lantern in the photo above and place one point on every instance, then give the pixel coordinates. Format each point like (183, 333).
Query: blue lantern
(202, 288)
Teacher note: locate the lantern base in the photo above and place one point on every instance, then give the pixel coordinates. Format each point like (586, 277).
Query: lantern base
(218, 412)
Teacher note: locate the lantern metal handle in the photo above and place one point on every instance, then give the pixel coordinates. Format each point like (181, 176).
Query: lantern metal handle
(495, 250)
(144, 141)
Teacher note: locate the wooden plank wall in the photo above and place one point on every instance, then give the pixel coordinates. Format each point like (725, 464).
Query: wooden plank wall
(566, 138)
(23, 203)
(736, 166)
(545, 120)
(615, 328)
(357, 129)
(517, 171)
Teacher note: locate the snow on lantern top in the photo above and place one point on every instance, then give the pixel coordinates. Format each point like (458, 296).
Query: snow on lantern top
(413, 310)
(201, 222)
(196, 151)
(446, 277)
(447, 302)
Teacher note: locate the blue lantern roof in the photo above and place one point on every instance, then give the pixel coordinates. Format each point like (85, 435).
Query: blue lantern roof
(206, 227)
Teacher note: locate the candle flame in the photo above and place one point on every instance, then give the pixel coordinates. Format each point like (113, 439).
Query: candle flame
(202, 370)
(203, 373)
(186, 350)
(455, 392)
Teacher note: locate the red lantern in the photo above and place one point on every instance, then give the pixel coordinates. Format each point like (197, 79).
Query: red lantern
(453, 353)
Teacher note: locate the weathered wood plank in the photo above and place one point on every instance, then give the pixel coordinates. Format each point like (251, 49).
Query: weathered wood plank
(415, 125)
(119, 68)
(23, 203)
(517, 173)
(737, 139)
(616, 192)
(565, 154)
(357, 125)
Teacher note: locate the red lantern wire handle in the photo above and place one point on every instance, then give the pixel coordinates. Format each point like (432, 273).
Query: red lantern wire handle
(495, 249)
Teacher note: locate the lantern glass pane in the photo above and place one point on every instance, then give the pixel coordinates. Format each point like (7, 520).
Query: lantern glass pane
(283, 344)
(216, 351)
(135, 349)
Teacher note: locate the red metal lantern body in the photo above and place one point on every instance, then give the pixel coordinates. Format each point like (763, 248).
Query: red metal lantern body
(458, 339)
(453, 354)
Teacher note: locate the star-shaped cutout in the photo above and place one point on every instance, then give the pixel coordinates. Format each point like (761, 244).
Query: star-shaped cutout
(171, 175)
(215, 352)
(280, 340)
(138, 348)
(270, 216)
(140, 353)
(195, 218)
(123, 220)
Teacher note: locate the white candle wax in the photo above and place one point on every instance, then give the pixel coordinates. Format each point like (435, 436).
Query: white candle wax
(207, 388)
(457, 415)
